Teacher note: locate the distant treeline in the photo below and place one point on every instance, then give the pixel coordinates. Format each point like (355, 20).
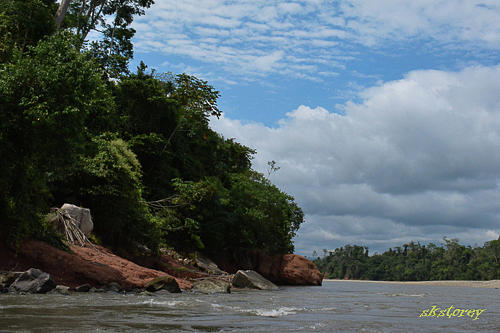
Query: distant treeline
(414, 262)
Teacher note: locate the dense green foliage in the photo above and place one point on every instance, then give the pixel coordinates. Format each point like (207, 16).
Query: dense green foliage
(414, 262)
(48, 94)
(23, 24)
(253, 213)
(138, 150)
(110, 20)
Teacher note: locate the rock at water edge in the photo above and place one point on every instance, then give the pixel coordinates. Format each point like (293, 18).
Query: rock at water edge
(163, 282)
(298, 270)
(114, 287)
(212, 286)
(84, 288)
(253, 280)
(207, 265)
(60, 289)
(33, 281)
(7, 278)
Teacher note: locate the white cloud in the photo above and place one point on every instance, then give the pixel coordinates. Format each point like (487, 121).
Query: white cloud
(266, 62)
(416, 159)
(446, 21)
(328, 74)
(236, 35)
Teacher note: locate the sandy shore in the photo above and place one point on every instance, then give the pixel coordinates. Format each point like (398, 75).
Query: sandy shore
(454, 283)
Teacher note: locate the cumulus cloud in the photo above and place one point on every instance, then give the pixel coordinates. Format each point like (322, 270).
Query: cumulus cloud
(259, 37)
(416, 159)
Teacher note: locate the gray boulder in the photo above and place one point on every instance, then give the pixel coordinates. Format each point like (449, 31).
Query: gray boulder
(84, 288)
(33, 281)
(212, 286)
(163, 282)
(113, 287)
(253, 280)
(81, 216)
(7, 278)
(97, 290)
(60, 289)
(207, 265)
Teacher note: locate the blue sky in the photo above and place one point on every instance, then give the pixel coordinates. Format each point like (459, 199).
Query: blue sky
(383, 115)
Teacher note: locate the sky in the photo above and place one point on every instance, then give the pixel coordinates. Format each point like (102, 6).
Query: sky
(383, 115)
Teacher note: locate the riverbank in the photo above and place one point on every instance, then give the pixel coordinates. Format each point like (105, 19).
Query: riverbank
(453, 283)
(97, 267)
(94, 265)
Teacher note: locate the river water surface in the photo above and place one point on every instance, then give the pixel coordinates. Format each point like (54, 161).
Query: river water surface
(334, 307)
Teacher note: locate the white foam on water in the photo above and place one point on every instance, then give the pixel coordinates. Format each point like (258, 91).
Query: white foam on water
(222, 307)
(325, 309)
(274, 313)
(405, 295)
(283, 311)
(152, 302)
(312, 327)
(317, 325)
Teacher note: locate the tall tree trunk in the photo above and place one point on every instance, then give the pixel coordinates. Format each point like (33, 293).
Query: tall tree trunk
(61, 11)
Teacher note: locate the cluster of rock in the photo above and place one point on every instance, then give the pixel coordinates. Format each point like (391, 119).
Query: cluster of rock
(212, 285)
(35, 281)
(241, 280)
(290, 269)
(32, 281)
(163, 283)
(287, 269)
(294, 268)
(252, 280)
(207, 265)
(282, 269)
(100, 270)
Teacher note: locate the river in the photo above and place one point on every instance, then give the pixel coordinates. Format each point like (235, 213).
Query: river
(334, 307)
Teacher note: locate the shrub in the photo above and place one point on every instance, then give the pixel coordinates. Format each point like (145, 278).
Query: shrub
(110, 185)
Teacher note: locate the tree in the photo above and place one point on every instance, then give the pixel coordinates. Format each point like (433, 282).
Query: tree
(68, 133)
(165, 118)
(109, 183)
(261, 216)
(110, 18)
(61, 11)
(48, 97)
(413, 261)
(248, 213)
(23, 23)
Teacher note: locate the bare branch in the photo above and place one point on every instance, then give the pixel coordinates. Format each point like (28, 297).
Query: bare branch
(72, 233)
